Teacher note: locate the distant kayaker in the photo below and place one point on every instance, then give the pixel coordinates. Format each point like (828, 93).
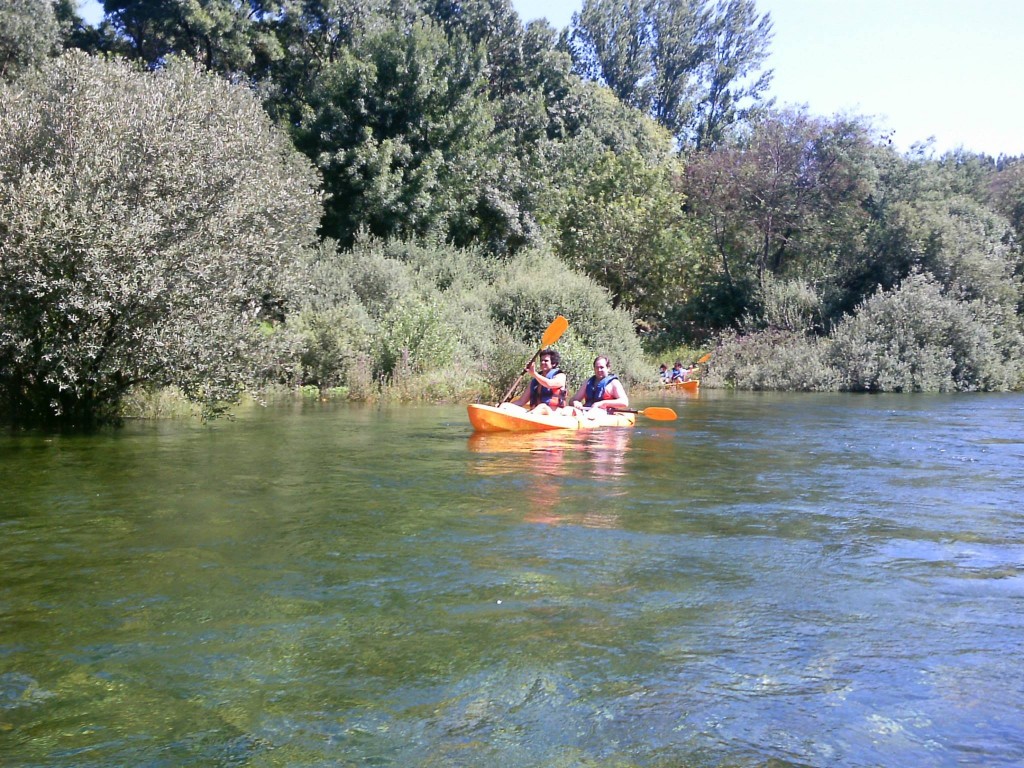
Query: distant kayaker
(666, 374)
(678, 374)
(547, 389)
(602, 390)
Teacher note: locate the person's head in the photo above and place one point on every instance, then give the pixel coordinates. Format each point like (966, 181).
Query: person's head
(678, 364)
(664, 367)
(553, 359)
(601, 366)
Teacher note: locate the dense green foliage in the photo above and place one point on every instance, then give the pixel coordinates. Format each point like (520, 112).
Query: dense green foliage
(478, 177)
(147, 221)
(692, 65)
(393, 319)
(28, 35)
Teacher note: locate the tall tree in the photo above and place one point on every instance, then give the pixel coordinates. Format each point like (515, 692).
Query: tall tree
(625, 228)
(1006, 187)
(730, 83)
(397, 124)
(230, 37)
(787, 202)
(693, 66)
(680, 47)
(610, 44)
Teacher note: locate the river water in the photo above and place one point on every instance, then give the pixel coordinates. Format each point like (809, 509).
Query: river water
(770, 580)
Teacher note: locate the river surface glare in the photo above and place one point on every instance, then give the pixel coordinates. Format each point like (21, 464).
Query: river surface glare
(770, 580)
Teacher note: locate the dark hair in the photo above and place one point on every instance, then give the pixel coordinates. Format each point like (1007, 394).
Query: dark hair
(553, 354)
(607, 362)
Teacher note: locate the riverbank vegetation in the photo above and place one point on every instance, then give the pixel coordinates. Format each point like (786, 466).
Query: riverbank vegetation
(393, 200)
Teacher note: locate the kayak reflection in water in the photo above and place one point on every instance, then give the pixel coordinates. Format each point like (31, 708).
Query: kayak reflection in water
(546, 391)
(603, 390)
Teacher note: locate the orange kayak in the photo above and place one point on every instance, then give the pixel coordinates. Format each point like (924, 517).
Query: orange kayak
(687, 386)
(510, 418)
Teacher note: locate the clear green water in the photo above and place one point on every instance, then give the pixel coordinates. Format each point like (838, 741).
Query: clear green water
(783, 580)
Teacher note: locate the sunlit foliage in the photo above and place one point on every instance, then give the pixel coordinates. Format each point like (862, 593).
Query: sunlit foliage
(149, 228)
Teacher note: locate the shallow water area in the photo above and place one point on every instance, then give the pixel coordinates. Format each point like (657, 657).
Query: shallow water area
(785, 580)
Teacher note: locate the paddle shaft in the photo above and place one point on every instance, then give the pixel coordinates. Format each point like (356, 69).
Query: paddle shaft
(515, 384)
(657, 413)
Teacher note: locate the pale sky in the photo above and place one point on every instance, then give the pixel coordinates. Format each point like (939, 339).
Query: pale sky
(918, 68)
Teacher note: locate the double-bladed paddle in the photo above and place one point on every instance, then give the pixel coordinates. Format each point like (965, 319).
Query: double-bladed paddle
(551, 335)
(655, 412)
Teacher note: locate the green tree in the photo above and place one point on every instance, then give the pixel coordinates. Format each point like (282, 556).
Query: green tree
(314, 35)
(625, 229)
(694, 67)
(788, 202)
(679, 51)
(29, 34)
(403, 131)
(230, 37)
(611, 44)
(147, 222)
(1006, 185)
(926, 217)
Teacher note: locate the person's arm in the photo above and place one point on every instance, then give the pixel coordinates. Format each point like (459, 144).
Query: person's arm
(578, 397)
(558, 380)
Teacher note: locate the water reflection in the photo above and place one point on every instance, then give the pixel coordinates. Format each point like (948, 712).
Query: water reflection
(553, 465)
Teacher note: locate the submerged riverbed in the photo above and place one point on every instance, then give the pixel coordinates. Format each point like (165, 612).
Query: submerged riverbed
(784, 580)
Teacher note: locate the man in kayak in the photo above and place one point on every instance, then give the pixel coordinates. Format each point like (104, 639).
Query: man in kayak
(547, 389)
(602, 390)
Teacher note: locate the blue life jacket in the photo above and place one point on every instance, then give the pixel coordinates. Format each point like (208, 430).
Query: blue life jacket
(539, 394)
(595, 389)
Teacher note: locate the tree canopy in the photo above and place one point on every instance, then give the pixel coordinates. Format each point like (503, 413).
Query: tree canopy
(692, 66)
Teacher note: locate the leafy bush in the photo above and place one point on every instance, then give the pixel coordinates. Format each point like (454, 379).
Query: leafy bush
(771, 360)
(334, 341)
(150, 222)
(414, 338)
(336, 330)
(432, 321)
(915, 338)
(29, 33)
(535, 290)
(786, 305)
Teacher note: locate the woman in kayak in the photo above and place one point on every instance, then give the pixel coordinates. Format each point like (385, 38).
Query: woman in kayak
(547, 390)
(602, 390)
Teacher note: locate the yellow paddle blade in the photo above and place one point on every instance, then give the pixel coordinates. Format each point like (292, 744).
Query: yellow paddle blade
(704, 359)
(554, 331)
(658, 414)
